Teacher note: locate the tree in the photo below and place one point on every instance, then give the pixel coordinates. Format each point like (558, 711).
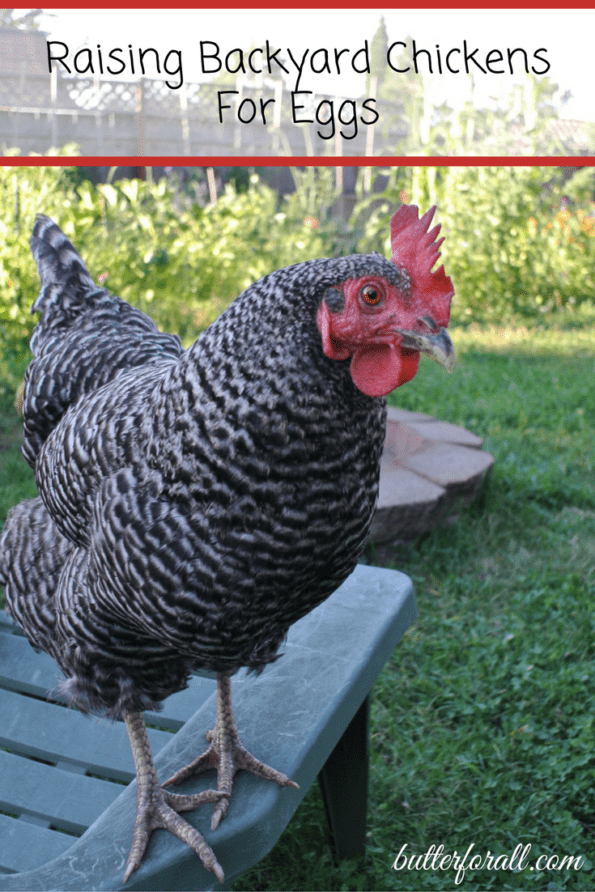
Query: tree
(27, 21)
(378, 53)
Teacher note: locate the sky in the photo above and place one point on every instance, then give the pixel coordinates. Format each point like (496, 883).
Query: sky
(565, 38)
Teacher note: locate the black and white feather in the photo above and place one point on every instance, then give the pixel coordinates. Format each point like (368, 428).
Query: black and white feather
(193, 504)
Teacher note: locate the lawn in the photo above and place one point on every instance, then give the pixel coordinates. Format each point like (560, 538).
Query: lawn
(482, 722)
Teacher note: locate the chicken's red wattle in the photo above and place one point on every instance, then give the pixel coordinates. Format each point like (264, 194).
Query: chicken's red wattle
(380, 368)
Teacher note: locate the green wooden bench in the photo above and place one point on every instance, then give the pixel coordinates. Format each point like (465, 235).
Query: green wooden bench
(62, 773)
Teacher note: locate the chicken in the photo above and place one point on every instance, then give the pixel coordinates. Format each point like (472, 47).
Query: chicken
(195, 503)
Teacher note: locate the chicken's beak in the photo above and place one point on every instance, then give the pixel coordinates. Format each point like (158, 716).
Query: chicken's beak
(436, 344)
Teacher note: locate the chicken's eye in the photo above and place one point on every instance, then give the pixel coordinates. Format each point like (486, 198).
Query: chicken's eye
(371, 295)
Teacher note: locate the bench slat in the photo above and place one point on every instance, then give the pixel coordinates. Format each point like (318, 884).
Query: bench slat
(55, 733)
(22, 669)
(67, 800)
(178, 708)
(7, 625)
(24, 846)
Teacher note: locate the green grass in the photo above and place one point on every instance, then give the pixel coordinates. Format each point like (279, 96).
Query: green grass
(482, 722)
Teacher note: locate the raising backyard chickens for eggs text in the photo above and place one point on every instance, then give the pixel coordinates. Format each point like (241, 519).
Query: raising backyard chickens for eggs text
(331, 115)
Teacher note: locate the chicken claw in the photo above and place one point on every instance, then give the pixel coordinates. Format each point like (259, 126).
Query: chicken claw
(157, 808)
(227, 754)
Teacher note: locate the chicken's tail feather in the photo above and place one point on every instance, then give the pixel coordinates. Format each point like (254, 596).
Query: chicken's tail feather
(58, 261)
(67, 288)
(85, 337)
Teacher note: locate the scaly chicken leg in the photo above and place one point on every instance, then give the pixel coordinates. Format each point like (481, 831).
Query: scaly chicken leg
(227, 754)
(157, 808)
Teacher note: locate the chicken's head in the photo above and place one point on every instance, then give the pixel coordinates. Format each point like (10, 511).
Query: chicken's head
(384, 322)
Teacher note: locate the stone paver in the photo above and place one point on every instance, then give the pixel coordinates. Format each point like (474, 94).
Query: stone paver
(429, 470)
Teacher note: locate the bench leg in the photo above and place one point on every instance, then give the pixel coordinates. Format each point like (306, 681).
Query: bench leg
(344, 786)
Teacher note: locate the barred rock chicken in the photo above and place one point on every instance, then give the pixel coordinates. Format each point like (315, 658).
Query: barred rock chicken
(195, 503)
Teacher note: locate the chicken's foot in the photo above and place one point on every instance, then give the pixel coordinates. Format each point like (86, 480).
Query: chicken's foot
(157, 808)
(227, 754)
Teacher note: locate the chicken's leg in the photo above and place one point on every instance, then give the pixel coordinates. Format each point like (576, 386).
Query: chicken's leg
(227, 754)
(155, 807)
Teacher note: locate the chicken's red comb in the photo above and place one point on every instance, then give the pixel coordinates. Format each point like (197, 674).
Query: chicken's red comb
(417, 250)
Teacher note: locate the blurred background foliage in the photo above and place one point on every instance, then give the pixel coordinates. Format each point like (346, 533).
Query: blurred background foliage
(520, 241)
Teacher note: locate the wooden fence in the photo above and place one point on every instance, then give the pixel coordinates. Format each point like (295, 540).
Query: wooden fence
(145, 117)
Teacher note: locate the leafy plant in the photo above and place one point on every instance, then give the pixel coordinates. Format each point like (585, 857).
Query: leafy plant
(512, 248)
(180, 262)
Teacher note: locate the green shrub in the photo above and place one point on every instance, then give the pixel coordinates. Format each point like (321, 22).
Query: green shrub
(182, 265)
(511, 247)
